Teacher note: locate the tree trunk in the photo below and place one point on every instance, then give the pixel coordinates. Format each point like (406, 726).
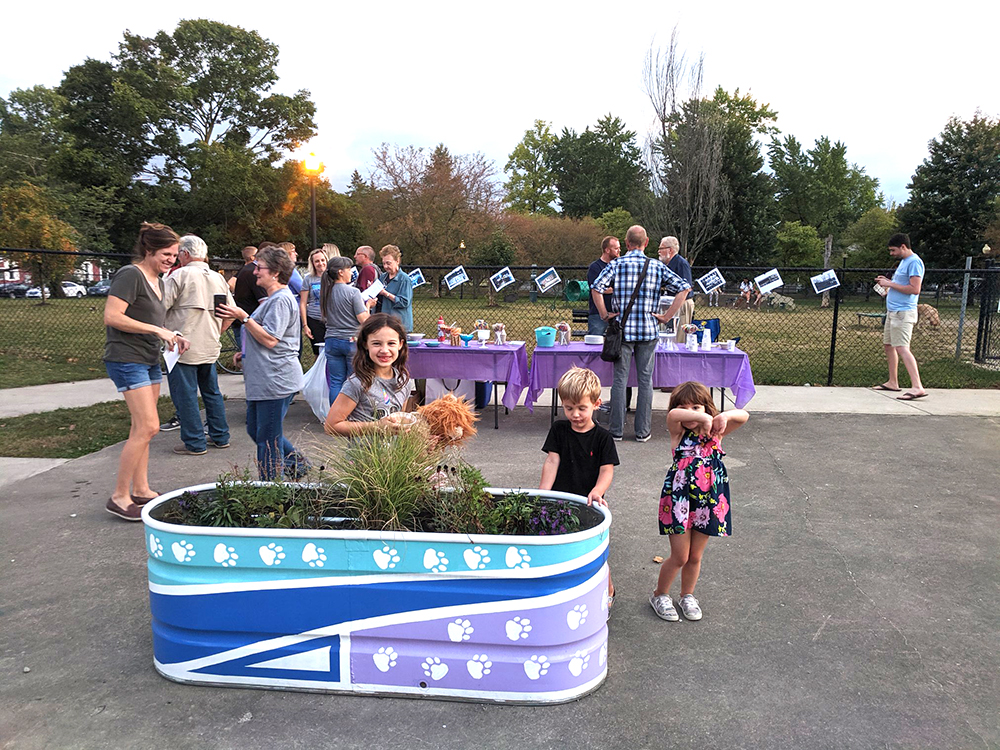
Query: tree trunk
(827, 252)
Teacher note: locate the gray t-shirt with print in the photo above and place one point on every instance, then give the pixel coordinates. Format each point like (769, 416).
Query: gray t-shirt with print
(342, 311)
(312, 285)
(274, 373)
(383, 398)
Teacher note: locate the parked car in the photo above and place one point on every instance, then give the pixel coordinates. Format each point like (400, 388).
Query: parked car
(72, 289)
(34, 293)
(14, 291)
(100, 289)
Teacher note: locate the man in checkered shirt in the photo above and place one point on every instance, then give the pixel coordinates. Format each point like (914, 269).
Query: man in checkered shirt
(640, 333)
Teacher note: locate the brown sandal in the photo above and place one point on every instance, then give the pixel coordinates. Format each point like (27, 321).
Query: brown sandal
(131, 513)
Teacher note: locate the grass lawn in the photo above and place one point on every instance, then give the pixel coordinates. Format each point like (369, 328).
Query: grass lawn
(64, 340)
(70, 433)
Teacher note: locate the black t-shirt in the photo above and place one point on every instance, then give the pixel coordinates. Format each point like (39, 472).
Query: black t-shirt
(592, 273)
(581, 456)
(248, 293)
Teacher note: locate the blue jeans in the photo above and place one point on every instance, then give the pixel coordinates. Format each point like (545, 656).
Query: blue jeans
(339, 353)
(185, 382)
(595, 325)
(265, 422)
(645, 355)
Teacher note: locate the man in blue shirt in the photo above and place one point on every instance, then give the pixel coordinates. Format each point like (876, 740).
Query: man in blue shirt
(640, 331)
(611, 248)
(901, 316)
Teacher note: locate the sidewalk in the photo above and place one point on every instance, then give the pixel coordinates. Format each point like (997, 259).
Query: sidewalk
(788, 399)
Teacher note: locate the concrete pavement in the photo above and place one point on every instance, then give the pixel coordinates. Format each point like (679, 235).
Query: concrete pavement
(855, 607)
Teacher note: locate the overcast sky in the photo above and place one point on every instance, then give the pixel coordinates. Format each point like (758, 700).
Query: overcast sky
(882, 77)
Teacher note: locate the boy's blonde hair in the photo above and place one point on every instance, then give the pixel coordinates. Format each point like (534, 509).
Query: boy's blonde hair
(578, 383)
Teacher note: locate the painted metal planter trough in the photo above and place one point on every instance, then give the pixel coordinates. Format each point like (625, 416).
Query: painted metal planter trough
(507, 619)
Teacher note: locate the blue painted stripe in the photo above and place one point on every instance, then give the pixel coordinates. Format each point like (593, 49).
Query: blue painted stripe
(229, 620)
(243, 666)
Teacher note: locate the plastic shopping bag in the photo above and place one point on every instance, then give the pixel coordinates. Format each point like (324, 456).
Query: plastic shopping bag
(315, 389)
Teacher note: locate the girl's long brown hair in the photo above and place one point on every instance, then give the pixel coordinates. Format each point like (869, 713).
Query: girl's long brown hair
(364, 368)
(693, 392)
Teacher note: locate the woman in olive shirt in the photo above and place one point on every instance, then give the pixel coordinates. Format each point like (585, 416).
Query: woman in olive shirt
(133, 316)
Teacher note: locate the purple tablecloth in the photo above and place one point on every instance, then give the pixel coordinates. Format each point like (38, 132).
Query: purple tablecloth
(499, 364)
(716, 369)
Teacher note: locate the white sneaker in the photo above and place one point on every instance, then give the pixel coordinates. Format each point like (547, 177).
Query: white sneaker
(643, 439)
(663, 605)
(689, 607)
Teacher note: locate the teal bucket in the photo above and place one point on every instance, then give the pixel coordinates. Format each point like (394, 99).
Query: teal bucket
(577, 291)
(545, 336)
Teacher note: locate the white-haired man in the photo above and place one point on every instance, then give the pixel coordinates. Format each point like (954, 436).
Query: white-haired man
(668, 253)
(189, 296)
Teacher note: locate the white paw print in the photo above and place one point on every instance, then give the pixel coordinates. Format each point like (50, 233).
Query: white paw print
(518, 628)
(604, 654)
(517, 558)
(433, 668)
(155, 548)
(579, 662)
(577, 616)
(479, 666)
(385, 659)
(477, 558)
(435, 561)
(272, 554)
(225, 556)
(460, 630)
(386, 558)
(536, 666)
(313, 555)
(183, 550)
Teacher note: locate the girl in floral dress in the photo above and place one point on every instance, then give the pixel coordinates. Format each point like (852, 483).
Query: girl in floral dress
(695, 495)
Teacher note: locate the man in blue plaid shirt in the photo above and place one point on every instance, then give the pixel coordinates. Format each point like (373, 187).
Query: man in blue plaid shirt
(640, 331)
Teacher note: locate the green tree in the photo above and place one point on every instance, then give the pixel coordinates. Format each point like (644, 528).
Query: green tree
(496, 251)
(868, 237)
(797, 244)
(30, 133)
(598, 170)
(531, 187)
(953, 193)
(819, 187)
(28, 221)
(747, 233)
(616, 223)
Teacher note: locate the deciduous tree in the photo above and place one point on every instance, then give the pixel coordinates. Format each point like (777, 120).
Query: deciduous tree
(953, 193)
(531, 187)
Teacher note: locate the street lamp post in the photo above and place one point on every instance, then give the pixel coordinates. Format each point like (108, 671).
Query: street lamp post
(313, 167)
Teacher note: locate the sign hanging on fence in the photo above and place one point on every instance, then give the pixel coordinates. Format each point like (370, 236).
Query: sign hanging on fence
(502, 278)
(711, 281)
(769, 281)
(456, 277)
(547, 279)
(417, 277)
(825, 281)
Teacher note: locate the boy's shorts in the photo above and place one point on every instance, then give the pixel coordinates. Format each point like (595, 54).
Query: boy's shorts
(898, 327)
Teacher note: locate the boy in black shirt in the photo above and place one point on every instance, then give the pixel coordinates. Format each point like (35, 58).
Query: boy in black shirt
(581, 454)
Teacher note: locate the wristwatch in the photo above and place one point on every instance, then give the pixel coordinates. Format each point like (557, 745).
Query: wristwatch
(246, 320)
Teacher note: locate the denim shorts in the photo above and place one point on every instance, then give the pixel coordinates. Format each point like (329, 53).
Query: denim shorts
(128, 376)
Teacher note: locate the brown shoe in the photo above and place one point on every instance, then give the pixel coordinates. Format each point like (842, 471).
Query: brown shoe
(131, 513)
(183, 450)
(140, 501)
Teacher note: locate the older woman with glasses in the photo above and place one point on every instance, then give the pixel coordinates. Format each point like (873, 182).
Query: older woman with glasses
(271, 371)
(396, 299)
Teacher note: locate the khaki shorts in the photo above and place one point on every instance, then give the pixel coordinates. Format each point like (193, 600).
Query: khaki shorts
(898, 327)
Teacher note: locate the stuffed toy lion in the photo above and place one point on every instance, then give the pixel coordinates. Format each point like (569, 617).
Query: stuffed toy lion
(449, 419)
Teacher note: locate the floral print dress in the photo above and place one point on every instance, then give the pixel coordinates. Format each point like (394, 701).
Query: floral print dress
(696, 491)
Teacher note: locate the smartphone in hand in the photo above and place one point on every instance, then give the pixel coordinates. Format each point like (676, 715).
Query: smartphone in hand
(218, 299)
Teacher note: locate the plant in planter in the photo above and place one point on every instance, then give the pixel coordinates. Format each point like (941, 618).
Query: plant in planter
(388, 576)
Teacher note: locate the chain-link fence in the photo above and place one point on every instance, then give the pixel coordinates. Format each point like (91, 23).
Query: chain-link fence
(790, 336)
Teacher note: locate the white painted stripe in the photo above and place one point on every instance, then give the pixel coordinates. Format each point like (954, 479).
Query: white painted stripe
(316, 660)
(553, 696)
(346, 628)
(193, 589)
